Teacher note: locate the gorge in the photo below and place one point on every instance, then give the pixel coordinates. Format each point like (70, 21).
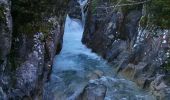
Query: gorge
(84, 50)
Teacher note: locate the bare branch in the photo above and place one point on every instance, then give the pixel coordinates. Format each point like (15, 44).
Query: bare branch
(129, 4)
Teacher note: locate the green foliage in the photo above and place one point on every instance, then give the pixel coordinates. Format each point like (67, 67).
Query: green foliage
(94, 4)
(98, 3)
(167, 65)
(127, 8)
(30, 16)
(27, 14)
(160, 13)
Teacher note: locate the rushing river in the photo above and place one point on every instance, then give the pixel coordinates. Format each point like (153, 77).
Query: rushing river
(72, 70)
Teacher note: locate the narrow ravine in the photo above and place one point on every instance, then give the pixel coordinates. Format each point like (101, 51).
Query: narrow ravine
(84, 50)
(75, 66)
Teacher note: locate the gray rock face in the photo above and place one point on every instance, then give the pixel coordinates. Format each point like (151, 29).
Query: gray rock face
(131, 25)
(5, 32)
(160, 87)
(74, 9)
(133, 50)
(5, 44)
(26, 55)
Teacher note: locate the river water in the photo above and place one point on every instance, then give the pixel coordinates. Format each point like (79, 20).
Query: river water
(72, 70)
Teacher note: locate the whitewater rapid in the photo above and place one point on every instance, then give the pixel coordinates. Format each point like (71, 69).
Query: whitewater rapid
(74, 65)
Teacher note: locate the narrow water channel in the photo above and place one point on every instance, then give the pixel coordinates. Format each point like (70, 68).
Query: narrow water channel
(73, 68)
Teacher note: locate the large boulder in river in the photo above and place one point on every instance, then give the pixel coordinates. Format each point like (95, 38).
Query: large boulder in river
(93, 92)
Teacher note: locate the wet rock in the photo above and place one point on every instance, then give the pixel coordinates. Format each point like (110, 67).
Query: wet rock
(5, 32)
(160, 89)
(93, 92)
(92, 76)
(99, 73)
(129, 71)
(110, 88)
(95, 75)
(3, 95)
(74, 9)
(132, 71)
(136, 73)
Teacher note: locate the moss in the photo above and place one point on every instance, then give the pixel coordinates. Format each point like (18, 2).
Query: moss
(2, 16)
(31, 28)
(30, 17)
(94, 4)
(159, 10)
(125, 9)
(143, 21)
(166, 66)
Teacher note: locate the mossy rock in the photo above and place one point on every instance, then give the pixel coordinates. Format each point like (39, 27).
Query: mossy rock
(143, 21)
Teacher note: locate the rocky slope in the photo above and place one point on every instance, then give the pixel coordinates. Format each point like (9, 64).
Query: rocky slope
(31, 34)
(126, 34)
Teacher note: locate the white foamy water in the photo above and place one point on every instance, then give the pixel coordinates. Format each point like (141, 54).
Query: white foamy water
(73, 49)
(74, 64)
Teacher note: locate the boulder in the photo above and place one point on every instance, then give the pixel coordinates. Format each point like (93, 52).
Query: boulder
(159, 88)
(95, 75)
(74, 10)
(93, 92)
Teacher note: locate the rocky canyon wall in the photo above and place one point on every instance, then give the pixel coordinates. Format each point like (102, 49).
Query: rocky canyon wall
(31, 35)
(126, 34)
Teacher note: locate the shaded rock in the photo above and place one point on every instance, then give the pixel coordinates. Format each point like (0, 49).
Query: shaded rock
(116, 36)
(3, 95)
(92, 76)
(93, 92)
(131, 25)
(95, 75)
(99, 73)
(129, 71)
(160, 89)
(74, 9)
(5, 32)
(110, 88)
(27, 50)
(138, 74)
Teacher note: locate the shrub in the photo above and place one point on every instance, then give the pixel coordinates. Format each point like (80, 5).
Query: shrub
(160, 13)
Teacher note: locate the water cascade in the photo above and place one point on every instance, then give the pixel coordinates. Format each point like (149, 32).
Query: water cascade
(73, 69)
(74, 66)
(83, 4)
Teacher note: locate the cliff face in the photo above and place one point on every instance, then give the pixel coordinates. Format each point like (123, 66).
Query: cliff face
(5, 43)
(123, 33)
(31, 34)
